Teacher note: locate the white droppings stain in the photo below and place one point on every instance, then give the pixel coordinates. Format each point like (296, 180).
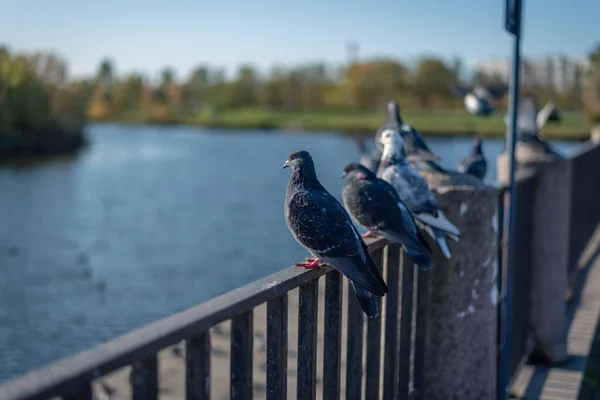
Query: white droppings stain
(270, 284)
(494, 295)
(470, 310)
(462, 273)
(463, 208)
(495, 222)
(487, 262)
(474, 294)
(494, 270)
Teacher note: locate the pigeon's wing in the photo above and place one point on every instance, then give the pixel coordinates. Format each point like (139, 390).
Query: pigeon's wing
(527, 116)
(497, 90)
(459, 90)
(412, 189)
(321, 224)
(543, 115)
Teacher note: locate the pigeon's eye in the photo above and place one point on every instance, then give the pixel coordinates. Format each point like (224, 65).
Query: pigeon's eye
(293, 157)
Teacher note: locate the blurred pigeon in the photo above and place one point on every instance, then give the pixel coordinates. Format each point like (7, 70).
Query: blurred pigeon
(417, 150)
(529, 145)
(414, 191)
(475, 163)
(477, 101)
(375, 204)
(323, 227)
(368, 157)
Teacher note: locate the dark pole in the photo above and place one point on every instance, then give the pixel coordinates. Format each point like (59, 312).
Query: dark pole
(513, 26)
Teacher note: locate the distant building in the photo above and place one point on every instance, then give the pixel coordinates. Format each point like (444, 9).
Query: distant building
(557, 71)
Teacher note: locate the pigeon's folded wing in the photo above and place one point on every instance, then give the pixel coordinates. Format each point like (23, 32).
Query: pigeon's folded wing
(323, 226)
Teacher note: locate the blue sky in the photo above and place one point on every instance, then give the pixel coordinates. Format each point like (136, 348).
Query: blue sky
(149, 35)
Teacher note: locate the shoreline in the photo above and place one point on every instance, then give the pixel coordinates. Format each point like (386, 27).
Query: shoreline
(46, 144)
(442, 124)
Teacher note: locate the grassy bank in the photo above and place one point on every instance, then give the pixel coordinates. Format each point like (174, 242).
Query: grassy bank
(442, 122)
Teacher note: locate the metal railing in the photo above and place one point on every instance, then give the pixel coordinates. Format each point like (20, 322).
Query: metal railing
(393, 344)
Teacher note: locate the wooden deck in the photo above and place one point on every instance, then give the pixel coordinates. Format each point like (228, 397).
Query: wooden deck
(563, 382)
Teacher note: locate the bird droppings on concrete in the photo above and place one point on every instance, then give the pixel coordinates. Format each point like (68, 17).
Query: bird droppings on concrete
(494, 270)
(495, 221)
(494, 295)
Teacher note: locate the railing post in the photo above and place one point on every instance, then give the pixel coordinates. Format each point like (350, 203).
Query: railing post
(461, 342)
(595, 135)
(550, 254)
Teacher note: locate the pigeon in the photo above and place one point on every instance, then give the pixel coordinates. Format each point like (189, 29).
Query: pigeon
(368, 158)
(529, 145)
(376, 206)
(477, 101)
(322, 226)
(475, 163)
(414, 191)
(417, 150)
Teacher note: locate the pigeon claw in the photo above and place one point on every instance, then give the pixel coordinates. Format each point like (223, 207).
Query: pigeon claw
(310, 262)
(369, 234)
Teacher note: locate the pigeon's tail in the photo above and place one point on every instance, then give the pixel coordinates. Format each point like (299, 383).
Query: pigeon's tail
(417, 249)
(367, 300)
(438, 236)
(441, 242)
(440, 222)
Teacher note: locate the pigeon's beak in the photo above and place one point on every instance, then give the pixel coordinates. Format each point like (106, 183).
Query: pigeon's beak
(422, 155)
(286, 165)
(343, 175)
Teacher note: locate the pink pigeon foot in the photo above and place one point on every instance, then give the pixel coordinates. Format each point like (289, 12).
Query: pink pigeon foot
(310, 262)
(369, 234)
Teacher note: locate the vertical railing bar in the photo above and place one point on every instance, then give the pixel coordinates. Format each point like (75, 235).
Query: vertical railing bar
(421, 328)
(373, 365)
(390, 364)
(144, 379)
(354, 347)
(241, 368)
(277, 348)
(308, 307)
(197, 376)
(332, 336)
(405, 327)
(83, 393)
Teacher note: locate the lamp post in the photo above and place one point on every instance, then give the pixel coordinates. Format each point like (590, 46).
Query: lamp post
(513, 26)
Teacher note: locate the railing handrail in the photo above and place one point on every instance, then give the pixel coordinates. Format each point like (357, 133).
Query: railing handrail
(67, 374)
(582, 149)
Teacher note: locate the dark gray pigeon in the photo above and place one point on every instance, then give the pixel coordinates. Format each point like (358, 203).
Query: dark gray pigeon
(475, 163)
(323, 227)
(376, 206)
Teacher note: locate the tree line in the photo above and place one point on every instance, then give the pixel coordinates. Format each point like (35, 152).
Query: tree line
(36, 92)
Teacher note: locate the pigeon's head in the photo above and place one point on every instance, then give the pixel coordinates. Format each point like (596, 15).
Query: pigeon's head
(392, 140)
(299, 159)
(357, 171)
(477, 143)
(393, 109)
